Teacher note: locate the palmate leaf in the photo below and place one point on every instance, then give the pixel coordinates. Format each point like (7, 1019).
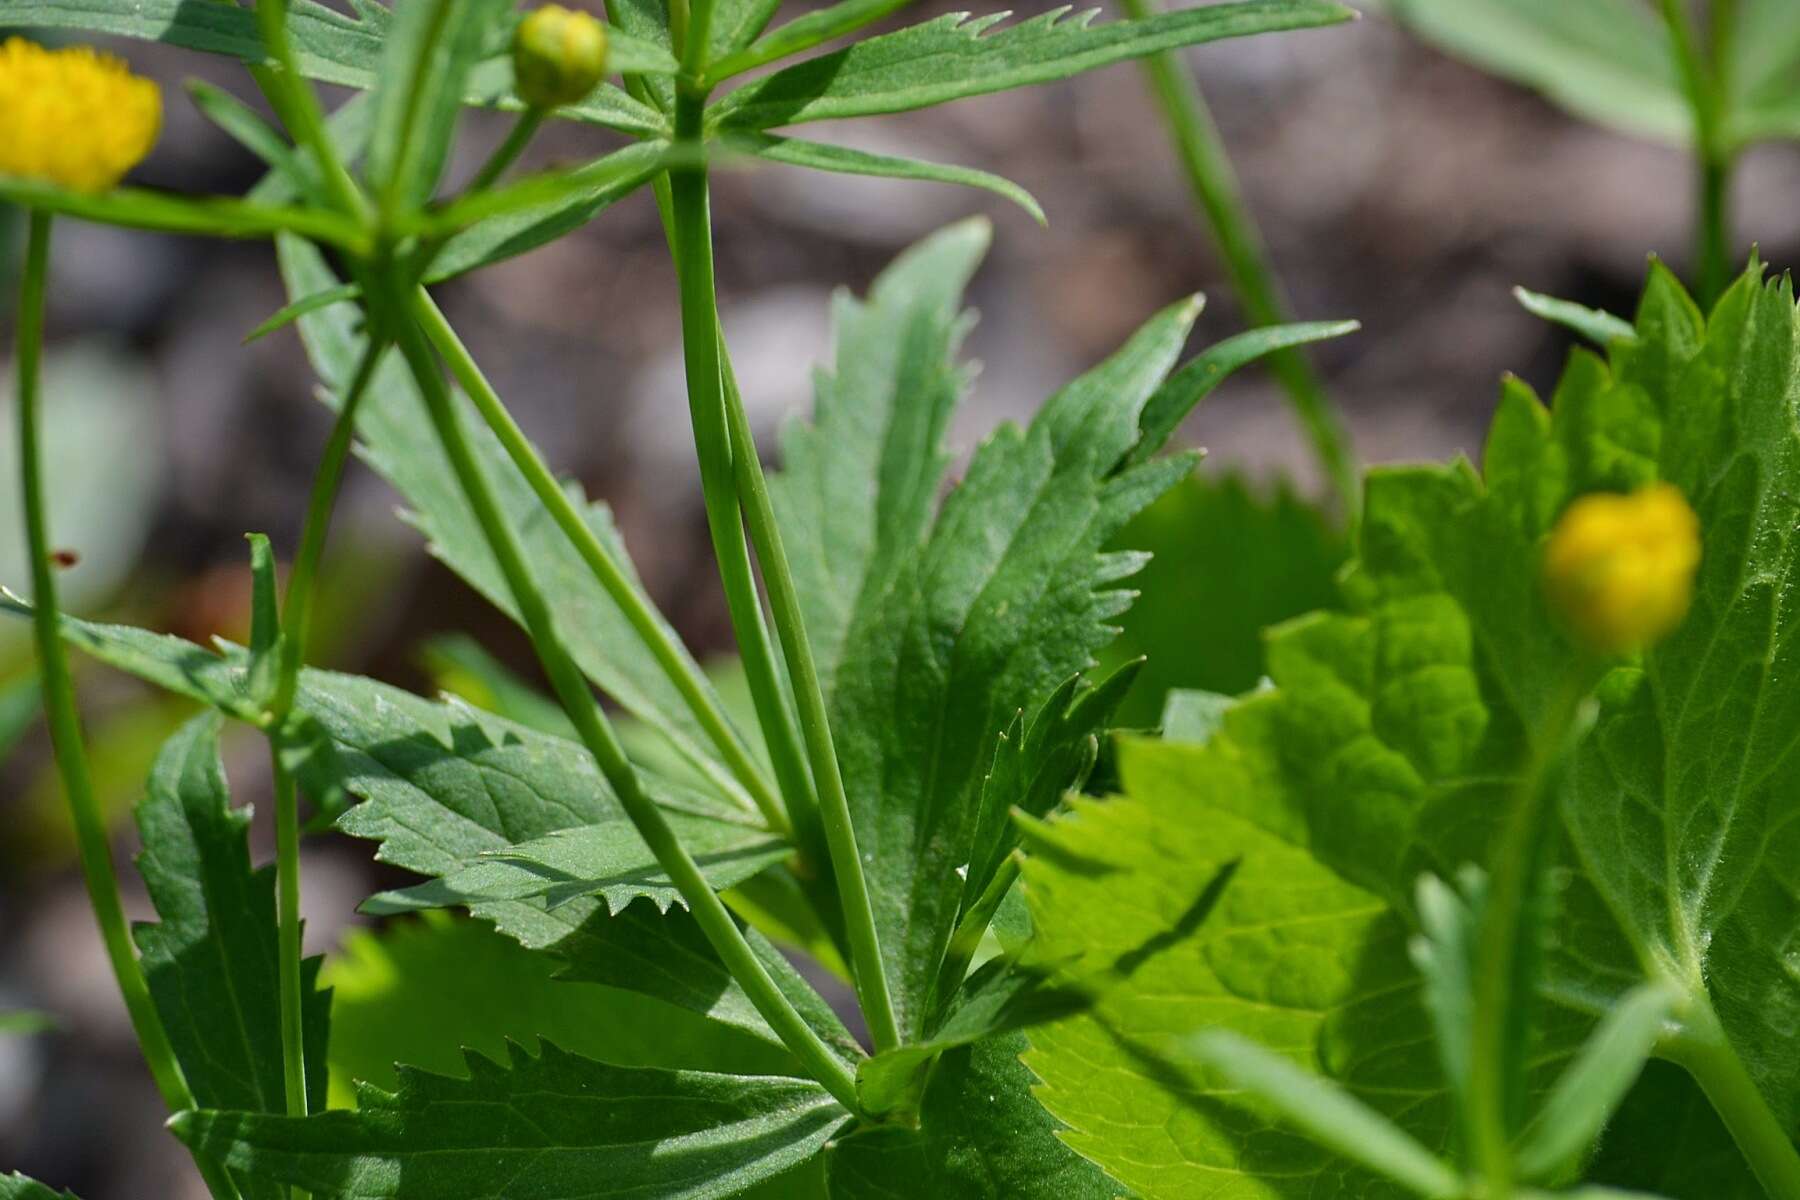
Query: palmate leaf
(1395, 733)
(1289, 953)
(330, 47)
(1612, 61)
(212, 962)
(555, 1125)
(397, 439)
(953, 56)
(935, 630)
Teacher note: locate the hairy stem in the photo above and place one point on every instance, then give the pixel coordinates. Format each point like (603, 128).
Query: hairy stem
(1215, 187)
(733, 474)
(1708, 1056)
(643, 619)
(64, 719)
(583, 709)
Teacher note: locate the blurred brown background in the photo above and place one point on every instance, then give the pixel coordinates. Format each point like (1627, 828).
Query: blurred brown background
(1393, 185)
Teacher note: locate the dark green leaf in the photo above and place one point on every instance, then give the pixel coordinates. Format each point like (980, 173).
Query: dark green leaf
(212, 963)
(419, 992)
(803, 33)
(981, 1137)
(1667, 1139)
(17, 1187)
(953, 56)
(555, 1125)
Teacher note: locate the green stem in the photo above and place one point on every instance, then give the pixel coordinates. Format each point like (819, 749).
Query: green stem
(700, 344)
(723, 437)
(63, 717)
(1501, 938)
(643, 619)
(1209, 172)
(1705, 83)
(596, 732)
(507, 153)
(298, 107)
(1708, 1056)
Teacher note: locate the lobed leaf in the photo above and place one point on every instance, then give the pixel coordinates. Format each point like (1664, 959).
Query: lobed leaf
(555, 1125)
(17, 1187)
(952, 56)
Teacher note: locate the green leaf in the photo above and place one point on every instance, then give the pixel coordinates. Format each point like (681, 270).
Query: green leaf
(1605, 60)
(843, 160)
(17, 1187)
(329, 46)
(1601, 328)
(803, 33)
(1193, 716)
(420, 991)
(1002, 998)
(1612, 61)
(933, 632)
(1229, 559)
(1583, 1100)
(1329, 1114)
(953, 56)
(212, 962)
(398, 441)
(533, 1127)
(265, 620)
(23, 1022)
(20, 704)
(1290, 954)
(289, 313)
(166, 212)
(249, 129)
(427, 55)
(664, 955)
(460, 666)
(607, 859)
(981, 1137)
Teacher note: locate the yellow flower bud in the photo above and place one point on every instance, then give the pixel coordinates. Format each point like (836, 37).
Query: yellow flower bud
(1619, 570)
(558, 56)
(76, 117)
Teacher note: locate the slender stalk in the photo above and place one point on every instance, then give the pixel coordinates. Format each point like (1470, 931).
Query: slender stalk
(597, 735)
(1705, 78)
(1512, 876)
(298, 107)
(723, 437)
(508, 151)
(1708, 1056)
(64, 719)
(643, 619)
(1215, 186)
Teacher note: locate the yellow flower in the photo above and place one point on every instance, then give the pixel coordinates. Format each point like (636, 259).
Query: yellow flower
(558, 56)
(1619, 570)
(76, 118)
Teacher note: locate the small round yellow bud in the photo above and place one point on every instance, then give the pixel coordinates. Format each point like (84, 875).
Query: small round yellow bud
(1619, 570)
(559, 56)
(76, 118)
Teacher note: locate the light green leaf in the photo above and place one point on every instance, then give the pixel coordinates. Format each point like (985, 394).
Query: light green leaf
(1601, 328)
(953, 56)
(843, 160)
(288, 314)
(418, 992)
(981, 1137)
(1289, 953)
(1583, 1100)
(212, 961)
(329, 46)
(398, 441)
(533, 1127)
(1193, 716)
(1330, 1115)
(24, 1022)
(20, 704)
